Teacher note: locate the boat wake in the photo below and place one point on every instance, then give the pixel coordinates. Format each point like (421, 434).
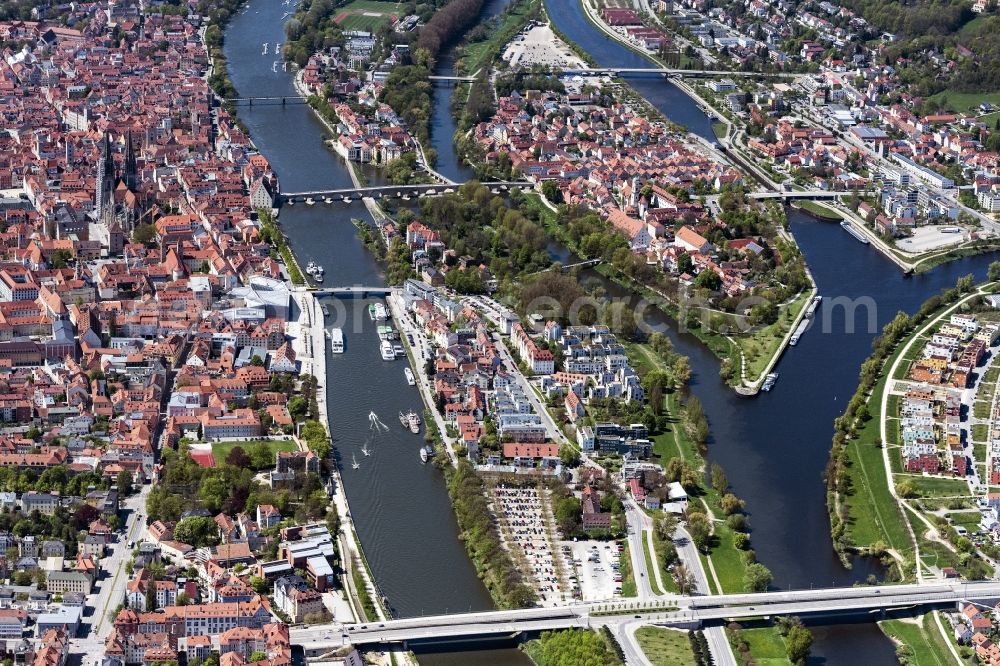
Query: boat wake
(376, 424)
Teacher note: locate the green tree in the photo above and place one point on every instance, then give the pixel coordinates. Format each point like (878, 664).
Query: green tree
(993, 272)
(197, 531)
(124, 483)
(144, 233)
(757, 578)
(799, 641)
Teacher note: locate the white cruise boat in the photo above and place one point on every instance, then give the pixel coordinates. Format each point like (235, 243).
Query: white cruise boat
(409, 377)
(386, 350)
(337, 341)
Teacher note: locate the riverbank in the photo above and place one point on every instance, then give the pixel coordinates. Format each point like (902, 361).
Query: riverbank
(868, 514)
(751, 355)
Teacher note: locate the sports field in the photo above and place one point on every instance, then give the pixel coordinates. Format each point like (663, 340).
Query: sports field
(367, 15)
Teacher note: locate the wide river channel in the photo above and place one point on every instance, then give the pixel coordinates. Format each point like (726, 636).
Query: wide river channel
(773, 447)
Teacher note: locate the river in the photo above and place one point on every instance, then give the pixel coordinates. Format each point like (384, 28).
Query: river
(400, 507)
(773, 447)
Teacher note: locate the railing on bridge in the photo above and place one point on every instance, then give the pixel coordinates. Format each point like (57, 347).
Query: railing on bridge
(272, 101)
(347, 194)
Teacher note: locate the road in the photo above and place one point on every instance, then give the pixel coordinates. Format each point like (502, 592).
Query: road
(638, 523)
(110, 590)
(672, 611)
(718, 642)
(553, 431)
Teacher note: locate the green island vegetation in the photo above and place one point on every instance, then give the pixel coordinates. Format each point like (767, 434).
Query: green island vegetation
(482, 539)
(865, 517)
(919, 640)
(475, 223)
(744, 341)
(670, 647)
(572, 647)
(786, 641)
(272, 235)
(483, 43)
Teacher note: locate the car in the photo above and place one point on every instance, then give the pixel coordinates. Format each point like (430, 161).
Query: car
(638, 617)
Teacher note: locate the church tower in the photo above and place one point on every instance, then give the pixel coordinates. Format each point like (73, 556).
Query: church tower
(131, 175)
(105, 195)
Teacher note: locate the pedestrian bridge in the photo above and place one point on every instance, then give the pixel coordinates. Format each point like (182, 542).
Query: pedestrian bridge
(401, 191)
(802, 194)
(670, 610)
(354, 292)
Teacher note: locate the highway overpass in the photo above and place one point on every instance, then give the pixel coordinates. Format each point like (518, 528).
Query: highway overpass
(668, 610)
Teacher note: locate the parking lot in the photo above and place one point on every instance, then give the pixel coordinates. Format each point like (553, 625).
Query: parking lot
(596, 564)
(540, 46)
(929, 238)
(522, 524)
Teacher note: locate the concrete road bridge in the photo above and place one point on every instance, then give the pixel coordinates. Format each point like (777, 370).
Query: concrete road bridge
(670, 610)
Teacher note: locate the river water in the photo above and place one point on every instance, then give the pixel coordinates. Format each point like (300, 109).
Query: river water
(773, 447)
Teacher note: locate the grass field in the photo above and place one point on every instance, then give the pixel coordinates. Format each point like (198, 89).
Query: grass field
(819, 210)
(929, 486)
(220, 450)
(767, 647)
(873, 514)
(366, 15)
(665, 647)
(966, 101)
(650, 565)
(923, 637)
(628, 579)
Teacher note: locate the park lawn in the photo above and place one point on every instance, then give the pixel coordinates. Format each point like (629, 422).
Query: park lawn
(932, 486)
(967, 519)
(892, 435)
(668, 579)
(767, 647)
(924, 639)
(934, 555)
(665, 647)
(651, 563)
(759, 346)
(979, 452)
(873, 514)
(981, 409)
(892, 406)
(896, 460)
(993, 374)
(220, 450)
(628, 578)
(725, 556)
(819, 209)
(980, 431)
